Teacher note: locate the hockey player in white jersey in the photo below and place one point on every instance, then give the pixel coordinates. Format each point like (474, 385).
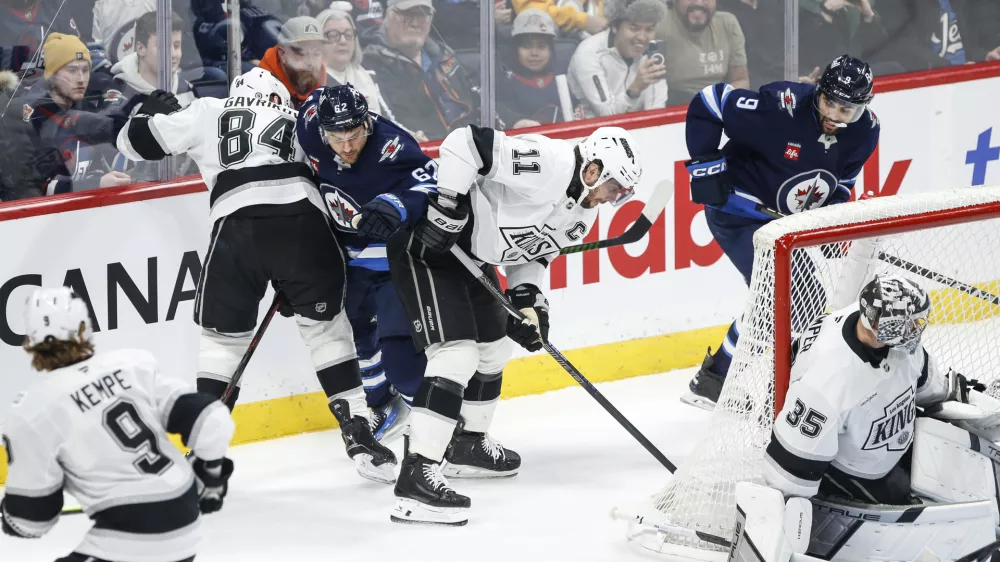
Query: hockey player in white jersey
(846, 435)
(508, 201)
(269, 225)
(96, 426)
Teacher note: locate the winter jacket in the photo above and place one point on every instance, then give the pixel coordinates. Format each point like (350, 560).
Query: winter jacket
(436, 101)
(599, 75)
(271, 64)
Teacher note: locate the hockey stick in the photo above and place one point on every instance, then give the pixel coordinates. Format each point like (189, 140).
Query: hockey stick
(658, 201)
(620, 515)
(563, 362)
(913, 268)
(251, 348)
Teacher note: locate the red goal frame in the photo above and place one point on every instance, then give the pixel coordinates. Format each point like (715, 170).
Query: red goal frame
(787, 243)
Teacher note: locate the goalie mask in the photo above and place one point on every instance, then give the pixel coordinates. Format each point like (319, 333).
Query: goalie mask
(896, 309)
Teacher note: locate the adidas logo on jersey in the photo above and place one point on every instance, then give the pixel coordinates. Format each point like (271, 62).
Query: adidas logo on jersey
(893, 430)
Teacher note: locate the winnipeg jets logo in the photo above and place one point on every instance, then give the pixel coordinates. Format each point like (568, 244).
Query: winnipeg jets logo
(827, 140)
(893, 431)
(805, 191)
(787, 101)
(526, 242)
(342, 207)
(391, 149)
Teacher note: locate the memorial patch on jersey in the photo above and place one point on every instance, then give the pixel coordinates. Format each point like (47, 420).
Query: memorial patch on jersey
(526, 242)
(342, 206)
(805, 191)
(894, 430)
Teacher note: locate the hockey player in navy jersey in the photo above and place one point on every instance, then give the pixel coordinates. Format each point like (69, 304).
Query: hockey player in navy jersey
(370, 166)
(792, 148)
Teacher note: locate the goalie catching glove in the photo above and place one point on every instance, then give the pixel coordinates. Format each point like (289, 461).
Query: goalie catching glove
(442, 226)
(213, 482)
(534, 329)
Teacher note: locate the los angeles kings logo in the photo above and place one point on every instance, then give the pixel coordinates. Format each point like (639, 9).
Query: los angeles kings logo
(894, 430)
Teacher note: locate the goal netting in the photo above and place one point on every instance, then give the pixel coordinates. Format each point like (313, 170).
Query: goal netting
(805, 264)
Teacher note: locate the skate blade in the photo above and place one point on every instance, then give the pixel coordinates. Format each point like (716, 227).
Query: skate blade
(459, 471)
(697, 401)
(412, 512)
(384, 473)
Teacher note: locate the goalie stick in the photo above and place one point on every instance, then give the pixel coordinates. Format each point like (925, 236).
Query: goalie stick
(658, 201)
(619, 515)
(913, 268)
(563, 362)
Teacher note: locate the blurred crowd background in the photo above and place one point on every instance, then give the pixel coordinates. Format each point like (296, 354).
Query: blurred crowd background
(72, 71)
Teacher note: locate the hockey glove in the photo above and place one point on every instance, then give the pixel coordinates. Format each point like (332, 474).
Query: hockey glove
(534, 329)
(710, 183)
(213, 479)
(159, 102)
(9, 529)
(442, 226)
(382, 217)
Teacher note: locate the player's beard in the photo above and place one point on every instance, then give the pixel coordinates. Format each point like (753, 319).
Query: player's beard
(302, 80)
(826, 124)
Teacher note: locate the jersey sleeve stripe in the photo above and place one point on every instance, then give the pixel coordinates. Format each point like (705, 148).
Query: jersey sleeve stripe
(711, 101)
(725, 95)
(32, 514)
(186, 414)
(483, 142)
(810, 470)
(151, 518)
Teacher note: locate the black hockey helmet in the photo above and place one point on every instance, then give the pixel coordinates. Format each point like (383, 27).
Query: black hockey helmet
(896, 309)
(847, 81)
(342, 108)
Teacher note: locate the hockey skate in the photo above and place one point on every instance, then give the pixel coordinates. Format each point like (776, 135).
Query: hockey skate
(390, 420)
(477, 455)
(372, 459)
(424, 495)
(705, 388)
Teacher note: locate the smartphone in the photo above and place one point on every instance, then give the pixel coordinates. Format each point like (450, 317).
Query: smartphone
(657, 52)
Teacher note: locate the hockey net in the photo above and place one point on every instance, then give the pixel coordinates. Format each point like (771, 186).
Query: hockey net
(818, 261)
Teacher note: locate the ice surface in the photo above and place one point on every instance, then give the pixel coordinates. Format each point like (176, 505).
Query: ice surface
(299, 498)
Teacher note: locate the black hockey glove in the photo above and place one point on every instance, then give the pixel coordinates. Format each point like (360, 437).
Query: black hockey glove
(160, 101)
(710, 183)
(213, 479)
(530, 333)
(9, 529)
(382, 217)
(442, 226)
(285, 308)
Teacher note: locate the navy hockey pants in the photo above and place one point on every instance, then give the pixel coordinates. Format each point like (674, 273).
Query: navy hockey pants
(735, 235)
(385, 347)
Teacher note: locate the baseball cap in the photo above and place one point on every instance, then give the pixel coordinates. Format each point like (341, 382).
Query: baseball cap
(533, 21)
(299, 29)
(403, 5)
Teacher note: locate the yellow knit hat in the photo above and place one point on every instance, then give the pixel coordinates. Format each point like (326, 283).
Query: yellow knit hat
(61, 49)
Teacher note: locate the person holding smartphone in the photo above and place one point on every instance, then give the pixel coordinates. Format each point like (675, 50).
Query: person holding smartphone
(704, 47)
(611, 72)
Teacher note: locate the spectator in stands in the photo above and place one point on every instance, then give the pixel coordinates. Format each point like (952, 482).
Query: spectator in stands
(427, 90)
(526, 92)
(570, 16)
(259, 29)
(297, 60)
(114, 25)
(703, 47)
(609, 73)
(457, 22)
(763, 25)
(342, 56)
(136, 75)
(23, 24)
(69, 139)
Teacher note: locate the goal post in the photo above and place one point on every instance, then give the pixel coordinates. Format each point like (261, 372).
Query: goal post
(947, 241)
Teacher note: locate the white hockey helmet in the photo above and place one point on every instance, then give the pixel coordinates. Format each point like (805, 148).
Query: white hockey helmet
(56, 313)
(260, 84)
(615, 148)
(896, 309)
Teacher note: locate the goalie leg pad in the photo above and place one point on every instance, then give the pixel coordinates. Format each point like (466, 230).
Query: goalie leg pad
(951, 464)
(767, 529)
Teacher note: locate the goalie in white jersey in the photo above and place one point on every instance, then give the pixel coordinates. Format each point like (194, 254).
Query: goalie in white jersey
(96, 425)
(270, 224)
(849, 435)
(508, 201)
